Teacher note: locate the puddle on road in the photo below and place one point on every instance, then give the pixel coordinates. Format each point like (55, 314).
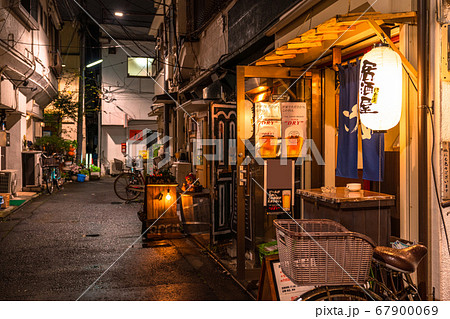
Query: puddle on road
(156, 244)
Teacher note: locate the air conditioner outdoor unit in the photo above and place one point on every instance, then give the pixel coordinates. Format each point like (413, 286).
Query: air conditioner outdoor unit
(116, 167)
(8, 181)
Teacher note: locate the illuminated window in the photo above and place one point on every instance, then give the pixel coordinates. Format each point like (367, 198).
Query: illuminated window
(141, 67)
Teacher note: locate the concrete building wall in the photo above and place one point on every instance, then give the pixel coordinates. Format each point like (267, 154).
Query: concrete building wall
(27, 61)
(125, 98)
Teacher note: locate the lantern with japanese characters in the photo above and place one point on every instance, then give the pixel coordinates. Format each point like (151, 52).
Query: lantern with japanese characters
(380, 88)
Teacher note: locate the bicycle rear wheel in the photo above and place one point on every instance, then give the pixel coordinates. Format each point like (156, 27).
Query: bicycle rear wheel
(340, 293)
(122, 189)
(58, 180)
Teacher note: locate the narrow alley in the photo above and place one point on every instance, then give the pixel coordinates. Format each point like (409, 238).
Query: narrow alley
(55, 247)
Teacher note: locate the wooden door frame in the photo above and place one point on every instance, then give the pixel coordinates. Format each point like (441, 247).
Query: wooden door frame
(243, 72)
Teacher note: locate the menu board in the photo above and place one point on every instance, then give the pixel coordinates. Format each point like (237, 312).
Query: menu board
(268, 128)
(285, 121)
(293, 128)
(278, 200)
(286, 289)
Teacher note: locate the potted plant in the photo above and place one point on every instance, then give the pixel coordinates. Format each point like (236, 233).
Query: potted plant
(74, 171)
(94, 172)
(85, 172)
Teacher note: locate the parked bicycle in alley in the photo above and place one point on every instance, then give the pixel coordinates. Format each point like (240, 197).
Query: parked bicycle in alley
(130, 184)
(343, 265)
(51, 172)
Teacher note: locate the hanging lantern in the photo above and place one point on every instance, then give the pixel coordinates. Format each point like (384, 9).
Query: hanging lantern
(380, 88)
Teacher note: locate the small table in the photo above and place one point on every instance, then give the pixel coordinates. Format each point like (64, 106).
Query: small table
(365, 212)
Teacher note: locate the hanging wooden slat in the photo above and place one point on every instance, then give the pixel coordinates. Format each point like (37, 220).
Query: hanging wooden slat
(306, 39)
(304, 45)
(336, 29)
(287, 51)
(280, 57)
(321, 37)
(270, 62)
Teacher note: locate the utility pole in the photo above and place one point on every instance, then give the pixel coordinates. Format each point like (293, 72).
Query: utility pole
(81, 94)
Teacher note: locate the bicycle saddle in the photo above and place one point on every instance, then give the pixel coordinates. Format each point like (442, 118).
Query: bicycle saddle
(404, 260)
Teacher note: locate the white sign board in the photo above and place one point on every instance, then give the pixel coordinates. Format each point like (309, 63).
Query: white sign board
(287, 290)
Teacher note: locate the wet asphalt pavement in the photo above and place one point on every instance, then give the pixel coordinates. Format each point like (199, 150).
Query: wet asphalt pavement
(55, 247)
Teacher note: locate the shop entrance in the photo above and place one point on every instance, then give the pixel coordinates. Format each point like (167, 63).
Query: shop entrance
(279, 119)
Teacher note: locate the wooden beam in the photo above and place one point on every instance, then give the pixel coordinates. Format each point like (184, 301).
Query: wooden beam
(305, 39)
(240, 109)
(304, 45)
(336, 57)
(383, 36)
(286, 51)
(378, 16)
(319, 37)
(335, 29)
(270, 62)
(279, 57)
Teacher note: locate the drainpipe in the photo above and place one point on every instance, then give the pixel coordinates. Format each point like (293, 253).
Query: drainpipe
(166, 86)
(81, 88)
(423, 76)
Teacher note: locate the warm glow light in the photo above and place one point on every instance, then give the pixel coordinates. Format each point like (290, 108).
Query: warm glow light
(118, 14)
(260, 97)
(27, 117)
(380, 89)
(168, 196)
(42, 124)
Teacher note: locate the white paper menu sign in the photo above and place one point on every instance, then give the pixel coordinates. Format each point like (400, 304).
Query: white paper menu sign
(293, 127)
(268, 128)
(287, 290)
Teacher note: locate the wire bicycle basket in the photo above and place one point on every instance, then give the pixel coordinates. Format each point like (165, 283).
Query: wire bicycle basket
(50, 162)
(321, 252)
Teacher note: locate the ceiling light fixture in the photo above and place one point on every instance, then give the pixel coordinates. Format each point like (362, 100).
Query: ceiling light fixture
(118, 14)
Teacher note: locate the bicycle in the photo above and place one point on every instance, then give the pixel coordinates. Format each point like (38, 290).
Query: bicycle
(51, 172)
(129, 185)
(344, 265)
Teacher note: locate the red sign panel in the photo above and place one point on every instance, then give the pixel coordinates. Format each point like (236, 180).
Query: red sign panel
(136, 135)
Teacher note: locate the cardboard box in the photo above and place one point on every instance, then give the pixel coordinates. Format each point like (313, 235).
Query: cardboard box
(6, 198)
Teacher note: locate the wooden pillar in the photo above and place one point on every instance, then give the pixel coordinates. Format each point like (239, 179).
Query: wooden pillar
(317, 128)
(337, 59)
(240, 84)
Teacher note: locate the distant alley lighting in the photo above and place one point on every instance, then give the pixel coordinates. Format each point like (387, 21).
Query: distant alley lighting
(63, 65)
(42, 124)
(118, 14)
(94, 63)
(27, 117)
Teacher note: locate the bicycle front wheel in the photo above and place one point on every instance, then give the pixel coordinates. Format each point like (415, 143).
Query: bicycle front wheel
(340, 293)
(49, 182)
(122, 189)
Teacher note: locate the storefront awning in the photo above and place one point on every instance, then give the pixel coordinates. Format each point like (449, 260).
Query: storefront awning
(350, 32)
(194, 106)
(165, 98)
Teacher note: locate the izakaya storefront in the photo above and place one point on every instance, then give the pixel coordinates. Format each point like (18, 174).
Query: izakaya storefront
(313, 112)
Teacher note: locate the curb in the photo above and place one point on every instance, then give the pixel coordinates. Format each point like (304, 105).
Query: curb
(4, 213)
